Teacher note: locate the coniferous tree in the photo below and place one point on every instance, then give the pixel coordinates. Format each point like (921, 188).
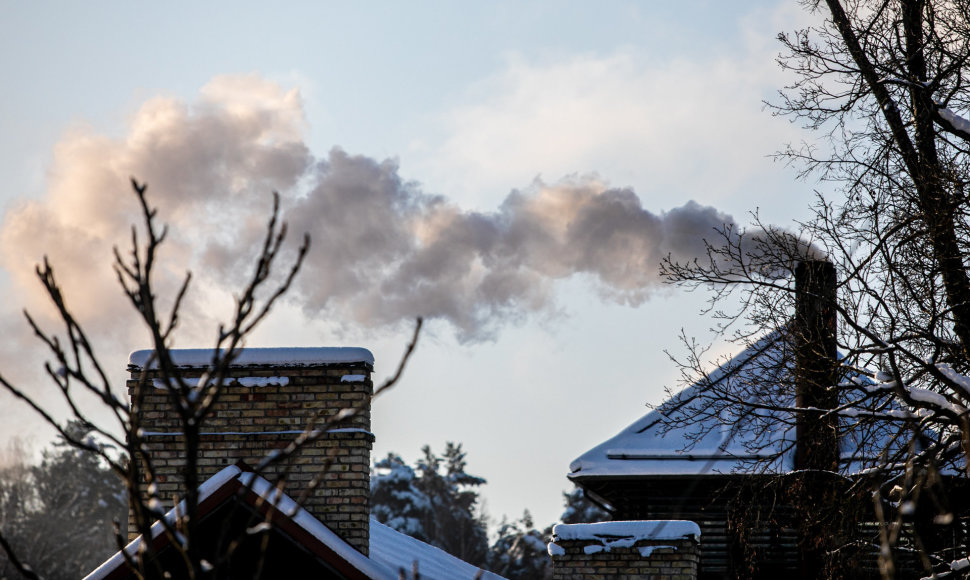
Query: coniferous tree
(59, 515)
(396, 498)
(579, 510)
(434, 502)
(520, 552)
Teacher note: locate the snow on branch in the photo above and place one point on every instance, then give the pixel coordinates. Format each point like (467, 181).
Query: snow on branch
(952, 122)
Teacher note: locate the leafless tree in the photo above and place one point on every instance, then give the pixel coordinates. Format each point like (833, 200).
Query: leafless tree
(77, 372)
(880, 85)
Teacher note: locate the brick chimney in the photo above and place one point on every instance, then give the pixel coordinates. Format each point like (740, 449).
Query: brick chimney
(265, 405)
(625, 550)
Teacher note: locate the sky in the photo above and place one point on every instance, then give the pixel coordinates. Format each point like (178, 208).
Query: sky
(511, 171)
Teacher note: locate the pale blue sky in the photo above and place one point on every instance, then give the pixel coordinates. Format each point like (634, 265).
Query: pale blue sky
(472, 100)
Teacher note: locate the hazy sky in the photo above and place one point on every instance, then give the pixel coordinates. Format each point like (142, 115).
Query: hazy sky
(512, 170)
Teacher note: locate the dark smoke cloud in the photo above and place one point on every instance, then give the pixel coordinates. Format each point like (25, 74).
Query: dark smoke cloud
(383, 249)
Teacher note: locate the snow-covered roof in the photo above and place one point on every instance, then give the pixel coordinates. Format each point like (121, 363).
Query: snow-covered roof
(397, 551)
(692, 434)
(248, 357)
(391, 551)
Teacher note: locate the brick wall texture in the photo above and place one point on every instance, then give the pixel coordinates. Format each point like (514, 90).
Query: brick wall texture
(669, 560)
(249, 422)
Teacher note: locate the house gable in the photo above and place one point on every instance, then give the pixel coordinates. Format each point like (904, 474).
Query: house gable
(300, 545)
(231, 505)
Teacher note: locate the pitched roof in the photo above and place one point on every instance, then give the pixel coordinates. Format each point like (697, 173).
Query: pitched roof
(397, 551)
(693, 433)
(391, 551)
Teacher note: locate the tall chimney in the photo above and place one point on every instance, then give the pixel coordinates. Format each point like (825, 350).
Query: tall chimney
(266, 402)
(816, 366)
(816, 434)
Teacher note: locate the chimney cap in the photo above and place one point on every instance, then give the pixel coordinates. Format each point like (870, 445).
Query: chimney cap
(249, 357)
(632, 529)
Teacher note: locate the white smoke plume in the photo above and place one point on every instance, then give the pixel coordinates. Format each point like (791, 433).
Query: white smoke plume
(383, 249)
(386, 251)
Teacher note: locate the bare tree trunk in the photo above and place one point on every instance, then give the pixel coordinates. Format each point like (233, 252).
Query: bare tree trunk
(920, 158)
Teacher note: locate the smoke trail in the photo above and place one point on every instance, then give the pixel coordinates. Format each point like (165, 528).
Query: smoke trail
(394, 252)
(384, 250)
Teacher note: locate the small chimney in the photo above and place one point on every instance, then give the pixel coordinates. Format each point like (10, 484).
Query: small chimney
(816, 365)
(266, 403)
(625, 549)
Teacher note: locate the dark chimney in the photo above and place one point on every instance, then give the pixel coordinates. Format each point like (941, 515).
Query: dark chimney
(816, 366)
(816, 433)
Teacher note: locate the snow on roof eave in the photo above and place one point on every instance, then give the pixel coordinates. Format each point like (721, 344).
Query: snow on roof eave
(282, 502)
(724, 467)
(673, 468)
(280, 357)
